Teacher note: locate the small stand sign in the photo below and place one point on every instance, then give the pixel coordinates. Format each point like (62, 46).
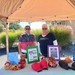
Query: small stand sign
(54, 51)
(32, 54)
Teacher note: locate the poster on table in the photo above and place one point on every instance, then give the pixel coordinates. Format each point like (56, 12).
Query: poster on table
(13, 58)
(32, 54)
(54, 51)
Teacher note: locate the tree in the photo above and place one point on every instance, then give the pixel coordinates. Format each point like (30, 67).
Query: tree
(2, 23)
(14, 26)
(1, 27)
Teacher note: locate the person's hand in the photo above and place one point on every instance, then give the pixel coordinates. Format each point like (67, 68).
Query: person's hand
(23, 55)
(20, 54)
(40, 54)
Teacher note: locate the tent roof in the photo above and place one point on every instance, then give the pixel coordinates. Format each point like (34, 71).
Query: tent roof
(8, 7)
(42, 10)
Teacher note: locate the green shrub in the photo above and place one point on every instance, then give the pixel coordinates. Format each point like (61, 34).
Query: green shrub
(11, 38)
(62, 34)
(36, 33)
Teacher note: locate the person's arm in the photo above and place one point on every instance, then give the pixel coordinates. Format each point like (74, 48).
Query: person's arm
(19, 48)
(39, 49)
(39, 45)
(19, 45)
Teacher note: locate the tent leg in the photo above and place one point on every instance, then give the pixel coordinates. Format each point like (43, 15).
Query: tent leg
(7, 45)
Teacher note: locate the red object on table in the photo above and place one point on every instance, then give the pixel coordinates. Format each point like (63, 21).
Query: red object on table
(44, 64)
(36, 67)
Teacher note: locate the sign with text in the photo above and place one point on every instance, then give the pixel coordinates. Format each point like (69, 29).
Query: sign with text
(32, 54)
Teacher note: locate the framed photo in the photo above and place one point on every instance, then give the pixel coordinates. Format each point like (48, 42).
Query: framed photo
(32, 54)
(54, 51)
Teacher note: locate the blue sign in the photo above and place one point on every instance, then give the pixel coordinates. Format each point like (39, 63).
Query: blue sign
(13, 58)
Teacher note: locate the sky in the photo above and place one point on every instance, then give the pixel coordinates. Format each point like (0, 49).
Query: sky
(34, 25)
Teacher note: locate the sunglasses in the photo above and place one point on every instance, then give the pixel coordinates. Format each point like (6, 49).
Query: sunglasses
(27, 28)
(44, 28)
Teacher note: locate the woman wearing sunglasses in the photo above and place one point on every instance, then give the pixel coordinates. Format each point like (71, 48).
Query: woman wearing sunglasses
(26, 39)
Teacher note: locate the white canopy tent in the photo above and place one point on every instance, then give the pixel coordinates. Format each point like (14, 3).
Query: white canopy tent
(36, 10)
(45, 10)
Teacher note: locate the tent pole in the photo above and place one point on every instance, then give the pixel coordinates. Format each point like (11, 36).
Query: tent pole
(7, 45)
